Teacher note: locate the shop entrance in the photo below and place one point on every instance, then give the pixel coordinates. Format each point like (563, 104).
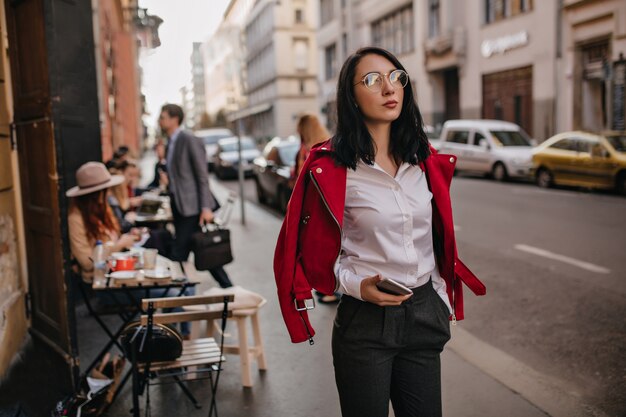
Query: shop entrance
(508, 96)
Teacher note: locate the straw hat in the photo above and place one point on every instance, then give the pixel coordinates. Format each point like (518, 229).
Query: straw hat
(91, 177)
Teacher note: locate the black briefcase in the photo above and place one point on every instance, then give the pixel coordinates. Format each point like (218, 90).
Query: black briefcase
(211, 248)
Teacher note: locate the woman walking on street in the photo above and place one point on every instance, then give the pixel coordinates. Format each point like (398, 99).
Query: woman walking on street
(373, 204)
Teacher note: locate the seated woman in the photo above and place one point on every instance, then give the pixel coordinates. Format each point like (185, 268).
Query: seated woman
(91, 219)
(121, 202)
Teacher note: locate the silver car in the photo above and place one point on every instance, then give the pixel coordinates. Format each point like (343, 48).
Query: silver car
(492, 147)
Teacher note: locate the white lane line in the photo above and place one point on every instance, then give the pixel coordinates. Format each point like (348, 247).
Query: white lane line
(551, 255)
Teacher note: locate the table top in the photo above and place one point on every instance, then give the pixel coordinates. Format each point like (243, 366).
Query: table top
(141, 281)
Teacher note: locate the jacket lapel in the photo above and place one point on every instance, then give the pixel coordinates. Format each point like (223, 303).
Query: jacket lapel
(331, 180)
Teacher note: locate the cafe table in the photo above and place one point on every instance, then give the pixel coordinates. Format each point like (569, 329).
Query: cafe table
(123, 296)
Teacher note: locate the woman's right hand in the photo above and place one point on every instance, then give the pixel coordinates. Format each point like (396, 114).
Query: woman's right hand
(371, 293)
(126, 241)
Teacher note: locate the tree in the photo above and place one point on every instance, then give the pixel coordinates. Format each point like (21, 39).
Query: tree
(220, 118)
(205, 121)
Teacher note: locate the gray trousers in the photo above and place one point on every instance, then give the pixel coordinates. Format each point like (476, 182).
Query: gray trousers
(390, 353)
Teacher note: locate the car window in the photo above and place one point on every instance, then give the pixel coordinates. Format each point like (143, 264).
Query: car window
(509, 138)
(458, 136)
(618, 142)
(477, 138)
(565, 144)
(599, 151)
(584, 146)
(288, 154)
(233, 147)
(212, 139)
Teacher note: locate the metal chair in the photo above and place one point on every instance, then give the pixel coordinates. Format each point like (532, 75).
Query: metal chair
(201, 359)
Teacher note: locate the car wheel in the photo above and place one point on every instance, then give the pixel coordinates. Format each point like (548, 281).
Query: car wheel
(499, 173)
(620, 183)
(259, 192)
(544, 178)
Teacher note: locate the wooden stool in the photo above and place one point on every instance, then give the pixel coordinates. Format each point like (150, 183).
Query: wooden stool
(245, 306)
(247, 353)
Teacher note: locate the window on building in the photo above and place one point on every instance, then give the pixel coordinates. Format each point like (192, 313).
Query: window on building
(326, 11)
(517, 109)
(344, 45)
(496, 10)
(299, 16)
(302, 87)
(395, 31)
(301, 54)
(433, 18)
(330, 55)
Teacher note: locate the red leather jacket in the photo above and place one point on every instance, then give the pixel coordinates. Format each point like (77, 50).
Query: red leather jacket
(310, 238)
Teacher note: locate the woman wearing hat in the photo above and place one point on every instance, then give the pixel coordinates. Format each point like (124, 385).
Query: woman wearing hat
(90, 218)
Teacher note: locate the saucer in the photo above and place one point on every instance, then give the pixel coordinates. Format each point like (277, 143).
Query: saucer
(123, 274)
(157, 273)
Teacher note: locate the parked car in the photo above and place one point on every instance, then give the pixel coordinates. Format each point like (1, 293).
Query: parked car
(273, 171)
(582, 159)
(226, 162)
(491, 147)
(210, 137)
(433, 136)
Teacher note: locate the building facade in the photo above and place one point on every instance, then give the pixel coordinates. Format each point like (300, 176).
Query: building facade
(225, 62)
(593, 69)
(281, 67)
(121, 106)
(470, 59)
(196, 98)
(491, 59)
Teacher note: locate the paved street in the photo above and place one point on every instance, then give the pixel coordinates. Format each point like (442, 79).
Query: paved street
(553, 262)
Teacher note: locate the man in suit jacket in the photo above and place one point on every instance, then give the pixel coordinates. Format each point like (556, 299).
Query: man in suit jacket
(188, 182)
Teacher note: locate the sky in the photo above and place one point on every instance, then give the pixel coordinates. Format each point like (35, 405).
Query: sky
(166, 69)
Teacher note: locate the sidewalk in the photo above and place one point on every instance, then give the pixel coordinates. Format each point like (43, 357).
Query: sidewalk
(299, 381)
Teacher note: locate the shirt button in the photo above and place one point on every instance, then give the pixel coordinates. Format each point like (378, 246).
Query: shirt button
(319, 170)
(451, 160)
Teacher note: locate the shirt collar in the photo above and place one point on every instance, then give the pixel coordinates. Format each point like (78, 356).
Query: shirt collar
(175, 134)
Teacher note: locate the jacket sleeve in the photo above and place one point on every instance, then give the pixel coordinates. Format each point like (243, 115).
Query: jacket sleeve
(290, 280)
(197, 159)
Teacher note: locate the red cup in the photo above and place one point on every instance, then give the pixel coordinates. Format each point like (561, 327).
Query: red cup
(125, 264)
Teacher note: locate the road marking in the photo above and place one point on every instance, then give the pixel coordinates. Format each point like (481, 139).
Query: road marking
(551, 255)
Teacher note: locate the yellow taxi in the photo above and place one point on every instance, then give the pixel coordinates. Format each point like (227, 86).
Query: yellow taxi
(582, 159)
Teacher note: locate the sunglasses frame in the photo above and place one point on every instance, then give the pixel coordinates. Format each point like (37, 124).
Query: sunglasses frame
(383, 75)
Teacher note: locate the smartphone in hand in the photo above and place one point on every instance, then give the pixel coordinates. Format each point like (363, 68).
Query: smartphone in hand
(392, 287)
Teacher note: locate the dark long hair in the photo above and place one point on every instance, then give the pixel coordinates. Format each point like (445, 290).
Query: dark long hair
(97, 215)
(408, 141)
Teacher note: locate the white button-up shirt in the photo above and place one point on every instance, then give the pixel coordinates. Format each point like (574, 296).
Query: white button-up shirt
(387, 230)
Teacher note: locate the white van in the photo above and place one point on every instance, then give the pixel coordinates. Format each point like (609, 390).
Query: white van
(492, 147)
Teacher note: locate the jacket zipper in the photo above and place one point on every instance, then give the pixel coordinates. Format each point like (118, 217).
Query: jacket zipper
(334, 218)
